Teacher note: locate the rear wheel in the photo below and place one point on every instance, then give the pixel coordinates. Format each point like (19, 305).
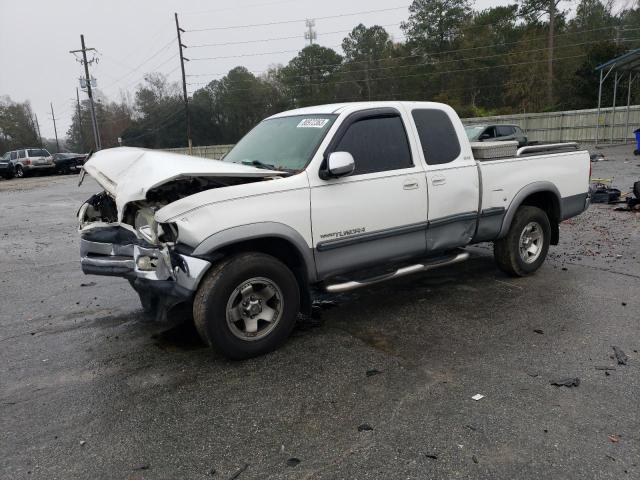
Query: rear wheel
(523, 250)
(247, 305)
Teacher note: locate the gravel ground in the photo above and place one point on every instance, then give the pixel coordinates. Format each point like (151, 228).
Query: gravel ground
(381, 387)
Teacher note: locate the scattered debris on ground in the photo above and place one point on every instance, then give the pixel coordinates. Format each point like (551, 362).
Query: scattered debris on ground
(613, 438)
(293, 461)
(478, 396)
(239, 472)
(432, 456)
(566, 382)
(372, 372)
(603, 193)
(365, 427)
(539, 331)
(621, 357)
(604, 367)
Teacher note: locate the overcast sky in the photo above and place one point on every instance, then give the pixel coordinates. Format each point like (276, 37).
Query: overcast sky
(134, 37)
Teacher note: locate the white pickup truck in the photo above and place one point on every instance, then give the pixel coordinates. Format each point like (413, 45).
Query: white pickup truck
(332, 197)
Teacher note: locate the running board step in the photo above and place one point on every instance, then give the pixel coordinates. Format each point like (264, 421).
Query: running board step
(401, 272)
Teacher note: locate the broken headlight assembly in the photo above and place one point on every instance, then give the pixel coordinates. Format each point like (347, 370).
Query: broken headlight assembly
(145, 224)
(153, 232)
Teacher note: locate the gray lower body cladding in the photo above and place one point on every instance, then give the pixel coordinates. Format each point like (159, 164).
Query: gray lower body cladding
(574, 205)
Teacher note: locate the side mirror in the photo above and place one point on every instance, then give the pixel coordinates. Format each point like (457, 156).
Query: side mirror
(484, 136)
(340, 164)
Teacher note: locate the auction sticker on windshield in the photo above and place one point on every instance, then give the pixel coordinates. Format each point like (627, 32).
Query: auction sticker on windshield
(313, 123)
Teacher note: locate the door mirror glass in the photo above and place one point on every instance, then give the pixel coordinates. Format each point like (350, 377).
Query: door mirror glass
(340, 164)
(484, 136)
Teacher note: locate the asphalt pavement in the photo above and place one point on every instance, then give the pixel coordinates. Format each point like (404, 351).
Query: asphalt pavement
(380, 387)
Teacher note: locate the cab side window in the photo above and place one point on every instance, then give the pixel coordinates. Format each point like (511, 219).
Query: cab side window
(14, 155)
(504, 131)
(377, 144)
(438, 136)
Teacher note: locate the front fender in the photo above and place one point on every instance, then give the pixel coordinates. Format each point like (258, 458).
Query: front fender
(255, 231)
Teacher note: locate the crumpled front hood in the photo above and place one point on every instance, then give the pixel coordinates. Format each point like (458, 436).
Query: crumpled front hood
(128, 173)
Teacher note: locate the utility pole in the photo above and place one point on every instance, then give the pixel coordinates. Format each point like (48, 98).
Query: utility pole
(38, 129)
(94, 121)
(80, 118)
(55, 129)
(184, 84)
(310, 34)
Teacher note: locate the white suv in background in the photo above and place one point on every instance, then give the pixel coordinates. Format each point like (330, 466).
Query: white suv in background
(29, 160)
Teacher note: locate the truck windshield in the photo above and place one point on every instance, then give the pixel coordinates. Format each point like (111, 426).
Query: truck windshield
(285, 143)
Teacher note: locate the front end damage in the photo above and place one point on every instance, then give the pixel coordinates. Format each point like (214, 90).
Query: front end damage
(159, 269)
(119, 234)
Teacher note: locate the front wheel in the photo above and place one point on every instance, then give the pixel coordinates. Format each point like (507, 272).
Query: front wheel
(523, 250)
(19, 172)
(247, 305)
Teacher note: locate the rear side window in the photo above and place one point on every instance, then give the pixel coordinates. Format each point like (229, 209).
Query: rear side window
(38, 153)
(21, 154)
(504, 131)
(377, 144)
(438, 137)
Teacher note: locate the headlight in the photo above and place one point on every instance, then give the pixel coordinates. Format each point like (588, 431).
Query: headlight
(144, 217)
(145, 224)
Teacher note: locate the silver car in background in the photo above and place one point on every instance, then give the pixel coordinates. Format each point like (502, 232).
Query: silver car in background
(27, 160)
(496, 133)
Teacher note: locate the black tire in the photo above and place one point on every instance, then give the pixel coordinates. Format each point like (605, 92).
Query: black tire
(219, 287)
(18, 171)
(506, 251)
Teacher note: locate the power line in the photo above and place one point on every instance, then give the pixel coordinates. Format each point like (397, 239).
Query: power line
(136, 69)
(467, 59)
(243, 7)
(428, 74)
(426, 54)
(260, 54)
(283, 22)
(273, 39)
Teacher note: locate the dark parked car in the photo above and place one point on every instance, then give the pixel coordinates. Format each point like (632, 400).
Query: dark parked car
(68, 162)
(6, 167)
(496, 133)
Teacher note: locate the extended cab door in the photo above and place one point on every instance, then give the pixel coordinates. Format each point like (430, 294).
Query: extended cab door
(452, 177)
(379, 212)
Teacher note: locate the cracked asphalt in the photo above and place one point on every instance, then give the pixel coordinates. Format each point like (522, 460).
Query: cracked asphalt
(379, 388)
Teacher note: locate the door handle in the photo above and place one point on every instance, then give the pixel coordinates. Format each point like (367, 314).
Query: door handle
(410, 184)
(438, 180)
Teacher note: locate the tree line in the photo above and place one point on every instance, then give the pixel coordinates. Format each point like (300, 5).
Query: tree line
(525, 57)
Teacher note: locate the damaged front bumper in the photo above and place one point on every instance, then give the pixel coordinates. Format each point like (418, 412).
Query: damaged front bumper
(159, 271)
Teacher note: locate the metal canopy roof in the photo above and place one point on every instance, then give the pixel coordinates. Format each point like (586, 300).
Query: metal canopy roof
(627, 62)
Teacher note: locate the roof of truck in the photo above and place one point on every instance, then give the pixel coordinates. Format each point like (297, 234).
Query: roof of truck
(340, 107)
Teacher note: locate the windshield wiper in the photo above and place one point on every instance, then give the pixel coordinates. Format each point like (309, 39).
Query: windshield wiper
(259, 164)
(266, 166)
